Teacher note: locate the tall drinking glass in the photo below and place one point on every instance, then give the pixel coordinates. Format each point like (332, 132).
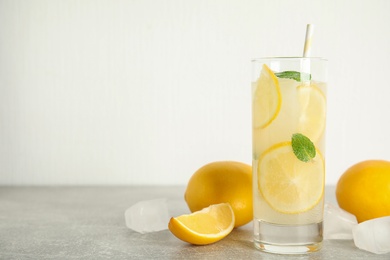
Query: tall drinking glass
(288, 121)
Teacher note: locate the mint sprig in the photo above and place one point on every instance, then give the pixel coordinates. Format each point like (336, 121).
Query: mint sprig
(303, 147)
(295, 75)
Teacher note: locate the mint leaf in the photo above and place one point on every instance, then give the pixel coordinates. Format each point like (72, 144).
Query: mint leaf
(303, 148)
(295, 75)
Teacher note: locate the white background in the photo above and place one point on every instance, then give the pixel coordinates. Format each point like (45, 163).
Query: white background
(147, 91)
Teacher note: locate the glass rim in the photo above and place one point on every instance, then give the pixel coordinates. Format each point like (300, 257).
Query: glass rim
(292, 58)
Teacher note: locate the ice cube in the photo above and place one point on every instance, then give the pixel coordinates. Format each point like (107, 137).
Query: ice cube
(338, 223)
(373, 235)
(148, 216)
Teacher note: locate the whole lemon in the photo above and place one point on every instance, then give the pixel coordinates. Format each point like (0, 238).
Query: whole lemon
(222, 182)
(364, 190)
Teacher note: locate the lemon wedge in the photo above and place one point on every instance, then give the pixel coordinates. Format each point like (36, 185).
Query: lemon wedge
(204, 227)
(287, 184)
(313, 111)
(267, 98)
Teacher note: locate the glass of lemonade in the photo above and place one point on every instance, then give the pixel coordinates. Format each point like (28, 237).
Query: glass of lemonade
(288, 120)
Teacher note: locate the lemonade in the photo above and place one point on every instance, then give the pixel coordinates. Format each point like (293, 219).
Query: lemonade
(288, 118)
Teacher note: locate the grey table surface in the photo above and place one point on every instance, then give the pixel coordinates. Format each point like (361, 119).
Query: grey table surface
(88, 223)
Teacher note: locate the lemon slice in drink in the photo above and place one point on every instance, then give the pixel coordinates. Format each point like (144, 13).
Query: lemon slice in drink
(267, 98)
(313, 111)
(287, 184)
(204, 227)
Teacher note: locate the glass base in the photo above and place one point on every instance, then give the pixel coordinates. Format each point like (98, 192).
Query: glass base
(287, 239)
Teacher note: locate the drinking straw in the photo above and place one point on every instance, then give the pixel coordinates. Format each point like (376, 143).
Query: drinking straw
(309, 34)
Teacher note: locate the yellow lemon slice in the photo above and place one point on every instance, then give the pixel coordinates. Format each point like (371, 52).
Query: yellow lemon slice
(313, 111)
(267, 98)
(287, 184)
(204, 227)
